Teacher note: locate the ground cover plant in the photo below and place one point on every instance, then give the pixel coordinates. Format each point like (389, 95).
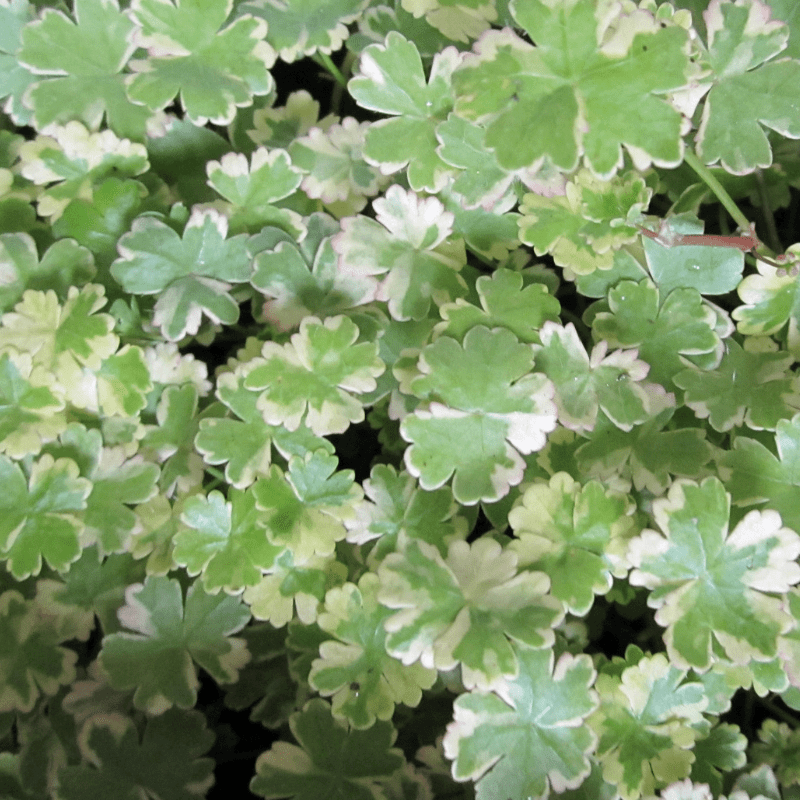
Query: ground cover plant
(399, 400)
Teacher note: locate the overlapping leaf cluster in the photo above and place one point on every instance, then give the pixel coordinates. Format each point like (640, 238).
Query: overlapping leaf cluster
(175, 524)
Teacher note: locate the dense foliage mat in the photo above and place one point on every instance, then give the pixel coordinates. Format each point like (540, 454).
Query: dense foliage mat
(399, 399)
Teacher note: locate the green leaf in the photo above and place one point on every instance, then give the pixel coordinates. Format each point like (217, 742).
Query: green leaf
(313, 377)
(303, 280)
(306, 508)
(646, 456)
(152, 539)
(624, 266)
(771, 299)
(334, 165)
(78, 66)
(93, 586)
(354, 668)
(576, 535)
(298, 28)
(192, 275)
(506, 302)
(667, 328)
(246, 443)
(254, 191)
(465, 609)
(158, 658)
(97, 224)
(170, 441)
(31, 661)
(30, 414)
(331, 760)
(123, 381)
(529, 737)
(565, 98)
(216, 70)
(647, 724)
(482, 182)
(294, 587)
(396, 507)
(754, 474)
(709, 270)
(409, 244)
(477, 431)
(751, 386)
(490, 233)
(779, 746)
(15, 78)
(117, 483)
(165, 763)
(39, 516)
(741, 39)
(721, 752)
(711, 586)
(225, 543)
(391, 80)
(586, 384)
(63, 264)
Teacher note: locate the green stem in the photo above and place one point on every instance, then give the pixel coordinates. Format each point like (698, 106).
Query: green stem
(766, 210)
(219, 478)
(325, 60)
(786, 716)
(719, 190)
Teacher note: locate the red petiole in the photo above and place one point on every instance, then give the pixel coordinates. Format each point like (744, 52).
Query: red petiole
(747, 243)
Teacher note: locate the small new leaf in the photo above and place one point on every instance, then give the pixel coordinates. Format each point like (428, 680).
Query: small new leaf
(408, 242)
(354, 668)
(192, 275)
(577, 535)
(225, 542)
(315, 376)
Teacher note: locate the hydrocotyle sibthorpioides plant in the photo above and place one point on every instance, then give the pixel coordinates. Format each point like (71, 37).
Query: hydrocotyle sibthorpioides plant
(389, 407)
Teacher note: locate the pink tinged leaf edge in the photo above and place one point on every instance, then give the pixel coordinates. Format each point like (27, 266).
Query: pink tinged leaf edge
(759, 20)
